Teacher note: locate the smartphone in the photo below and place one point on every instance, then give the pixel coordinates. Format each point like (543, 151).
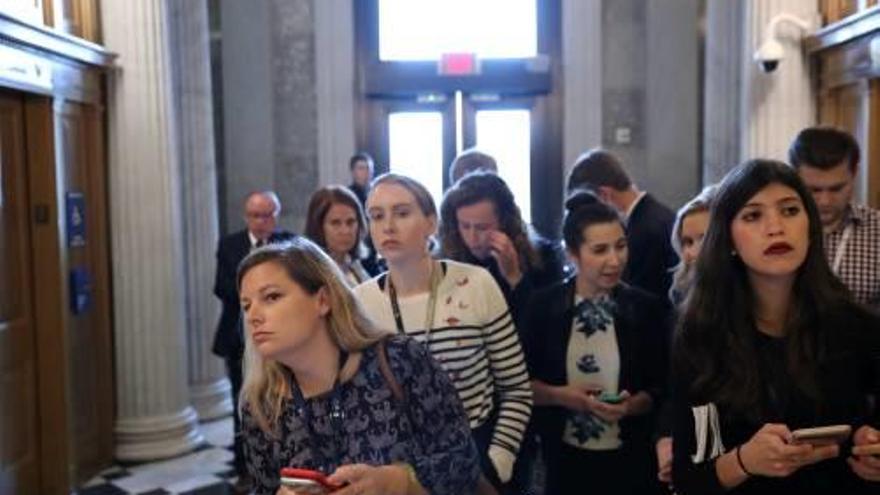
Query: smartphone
(610, 398)
(869, 449)
(307, 481)
(822, 435)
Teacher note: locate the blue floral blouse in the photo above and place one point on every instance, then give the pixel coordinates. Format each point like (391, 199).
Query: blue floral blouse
(362, 422)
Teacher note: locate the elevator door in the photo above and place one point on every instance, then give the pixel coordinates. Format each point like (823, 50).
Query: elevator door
(19, 468)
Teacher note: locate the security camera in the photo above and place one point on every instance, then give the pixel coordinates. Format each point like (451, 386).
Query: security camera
(769, 54)
(771, 51)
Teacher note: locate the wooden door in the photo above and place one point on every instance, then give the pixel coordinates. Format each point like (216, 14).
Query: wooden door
(79, 140)
(19, 455)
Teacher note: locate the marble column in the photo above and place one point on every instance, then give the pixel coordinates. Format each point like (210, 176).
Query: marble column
(191, 58)
(722, 88)
(154, 416)
(750, 113)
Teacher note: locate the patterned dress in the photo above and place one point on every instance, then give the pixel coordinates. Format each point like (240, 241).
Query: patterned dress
(361, 422)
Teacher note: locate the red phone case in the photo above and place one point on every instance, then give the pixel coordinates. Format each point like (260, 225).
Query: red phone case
(309, 474)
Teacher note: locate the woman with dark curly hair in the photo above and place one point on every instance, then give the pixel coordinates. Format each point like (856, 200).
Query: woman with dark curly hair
(770, 341)
(481, 224)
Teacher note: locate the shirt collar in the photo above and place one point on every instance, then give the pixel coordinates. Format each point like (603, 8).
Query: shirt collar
(853, 215)
(252, 238)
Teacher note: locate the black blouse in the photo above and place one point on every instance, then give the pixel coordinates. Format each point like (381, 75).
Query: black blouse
(849, 373)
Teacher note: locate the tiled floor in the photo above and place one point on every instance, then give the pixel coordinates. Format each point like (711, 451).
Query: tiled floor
(208, 471)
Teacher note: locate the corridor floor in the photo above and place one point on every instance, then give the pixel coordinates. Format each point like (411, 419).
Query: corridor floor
(207, 471)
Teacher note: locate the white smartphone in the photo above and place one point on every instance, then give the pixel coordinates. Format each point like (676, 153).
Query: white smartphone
(822, 435)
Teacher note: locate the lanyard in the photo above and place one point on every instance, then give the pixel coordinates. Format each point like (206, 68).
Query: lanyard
(841, 249)
(434, 282)
(337, 416)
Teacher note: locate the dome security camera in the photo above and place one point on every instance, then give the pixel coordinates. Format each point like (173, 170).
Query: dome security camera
(769, 54)
(771, 51)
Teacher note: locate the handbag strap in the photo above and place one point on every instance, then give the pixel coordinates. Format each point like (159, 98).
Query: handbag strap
(388, 375)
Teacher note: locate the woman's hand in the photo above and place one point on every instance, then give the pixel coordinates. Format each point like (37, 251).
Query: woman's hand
(664, 459)
(363, 479)
(866, 467)
(504, 252)
(610, 413)
(770, 452)
(576, 397)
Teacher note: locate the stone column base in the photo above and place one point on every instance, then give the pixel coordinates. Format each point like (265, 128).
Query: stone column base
(157, 437)
(211, 400)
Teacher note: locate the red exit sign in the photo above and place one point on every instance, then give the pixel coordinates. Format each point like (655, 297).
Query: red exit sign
(458, 64)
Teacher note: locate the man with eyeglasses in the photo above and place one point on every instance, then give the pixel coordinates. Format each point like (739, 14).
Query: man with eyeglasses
(261, 210)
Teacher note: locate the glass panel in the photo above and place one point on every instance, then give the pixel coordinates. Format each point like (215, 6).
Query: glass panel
(425, 29)
(415, 148)
(506, 135)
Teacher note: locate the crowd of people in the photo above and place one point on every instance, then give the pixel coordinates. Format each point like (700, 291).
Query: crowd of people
(398, 348)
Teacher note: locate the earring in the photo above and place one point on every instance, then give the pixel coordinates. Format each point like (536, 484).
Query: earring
(733, 253)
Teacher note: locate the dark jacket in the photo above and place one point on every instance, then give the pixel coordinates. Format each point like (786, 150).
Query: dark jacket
(651, 256)
(228, 341)
(551, 272)
(641, 323)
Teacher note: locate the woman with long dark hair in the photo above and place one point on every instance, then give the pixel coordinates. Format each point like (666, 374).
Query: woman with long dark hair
(335, 221)
(595, 348)
(481, 224)
(770, 342)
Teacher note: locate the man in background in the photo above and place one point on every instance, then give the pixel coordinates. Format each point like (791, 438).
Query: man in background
(471, 160)
(648, 222)
(827, 160)
(361, 167)
(261, 210)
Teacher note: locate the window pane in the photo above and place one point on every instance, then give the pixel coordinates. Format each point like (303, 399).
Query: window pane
(506, 135)
(416, 148)
(425, 29)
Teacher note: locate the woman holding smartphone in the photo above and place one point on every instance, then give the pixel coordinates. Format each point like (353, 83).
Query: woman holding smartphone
(457, 311)
(325, 391)
(595, 353)
(771, 342)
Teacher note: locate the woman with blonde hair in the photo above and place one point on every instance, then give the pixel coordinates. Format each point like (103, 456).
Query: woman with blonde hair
(688, 231)
(325, 391)
(457, 311)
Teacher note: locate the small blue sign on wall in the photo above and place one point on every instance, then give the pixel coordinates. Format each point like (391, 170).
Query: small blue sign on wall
(80, 290)
(76, 219)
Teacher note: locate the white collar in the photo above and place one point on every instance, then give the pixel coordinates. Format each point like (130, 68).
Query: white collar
(253, 239)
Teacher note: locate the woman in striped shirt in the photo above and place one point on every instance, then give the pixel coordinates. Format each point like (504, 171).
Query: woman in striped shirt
(457, 311)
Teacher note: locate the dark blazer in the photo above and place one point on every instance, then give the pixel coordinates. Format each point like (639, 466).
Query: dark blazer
(553, 270)
(651, 256)
(641, 323)
(228, 341)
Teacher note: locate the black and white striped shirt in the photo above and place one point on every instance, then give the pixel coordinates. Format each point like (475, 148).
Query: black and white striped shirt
(474, 339)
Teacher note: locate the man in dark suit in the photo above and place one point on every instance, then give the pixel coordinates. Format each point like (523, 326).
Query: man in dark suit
(648, 222)
(361, 166)
(261, 212)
